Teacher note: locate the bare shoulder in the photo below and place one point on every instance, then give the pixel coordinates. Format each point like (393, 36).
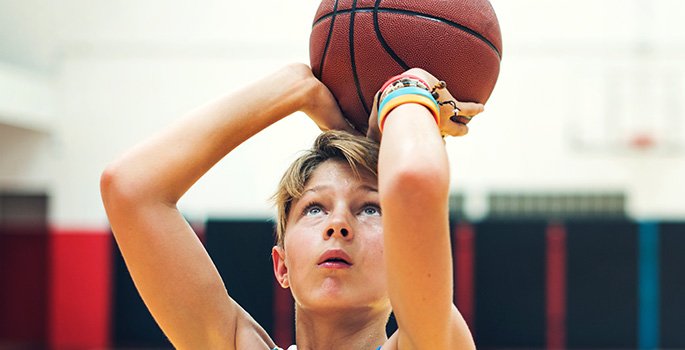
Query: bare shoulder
(249, 334)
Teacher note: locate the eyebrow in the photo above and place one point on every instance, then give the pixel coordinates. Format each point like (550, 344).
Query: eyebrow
(368, 188)
(325, 187)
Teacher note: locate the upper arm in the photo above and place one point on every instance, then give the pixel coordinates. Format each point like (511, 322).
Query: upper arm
(421, 286)
(419, 264)
(172, 271)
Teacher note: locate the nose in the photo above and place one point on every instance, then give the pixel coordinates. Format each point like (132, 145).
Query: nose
(338, 227)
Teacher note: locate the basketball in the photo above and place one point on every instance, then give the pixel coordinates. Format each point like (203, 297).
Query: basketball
(355, 45)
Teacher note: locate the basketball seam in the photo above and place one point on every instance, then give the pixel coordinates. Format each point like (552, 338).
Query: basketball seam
(381, 39)
(418, 14)
(328, 39)
(360, 94)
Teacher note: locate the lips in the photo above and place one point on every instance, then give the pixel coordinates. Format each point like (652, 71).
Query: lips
(335, 258)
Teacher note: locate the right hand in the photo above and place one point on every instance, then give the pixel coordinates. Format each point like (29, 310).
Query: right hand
(321, 106)
(450, 126)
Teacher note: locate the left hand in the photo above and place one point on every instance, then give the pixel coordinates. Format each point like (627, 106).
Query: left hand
(320, 105)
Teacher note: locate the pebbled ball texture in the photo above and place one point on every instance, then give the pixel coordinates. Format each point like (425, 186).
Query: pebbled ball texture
(356, 45)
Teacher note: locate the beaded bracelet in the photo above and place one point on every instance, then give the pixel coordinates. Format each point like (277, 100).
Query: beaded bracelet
(407, 95)
(404, 77)
(400, 84)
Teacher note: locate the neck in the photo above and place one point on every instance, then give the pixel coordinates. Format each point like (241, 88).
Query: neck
(355, 329)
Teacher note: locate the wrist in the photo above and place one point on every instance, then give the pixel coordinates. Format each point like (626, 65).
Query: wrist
(404, 89)
(301, 83)
(412, 113)
(307, 88)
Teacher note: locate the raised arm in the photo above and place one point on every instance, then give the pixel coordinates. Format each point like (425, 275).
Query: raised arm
(171, 269)
(414, 190)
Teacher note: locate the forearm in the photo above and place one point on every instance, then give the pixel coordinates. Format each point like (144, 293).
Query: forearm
(165, 166)
(413, 151)
(414, 190)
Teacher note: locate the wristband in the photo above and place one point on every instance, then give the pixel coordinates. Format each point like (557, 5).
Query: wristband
(404, 99)
(400, 97)
(407, 91)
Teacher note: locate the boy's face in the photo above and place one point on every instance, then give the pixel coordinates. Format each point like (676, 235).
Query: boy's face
(333, 249)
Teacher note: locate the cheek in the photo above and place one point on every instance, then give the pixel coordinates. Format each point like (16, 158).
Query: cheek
(298, 249)
(374, 228)
(375, 246)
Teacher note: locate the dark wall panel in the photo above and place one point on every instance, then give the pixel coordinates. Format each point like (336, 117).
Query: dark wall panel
(241, 251)
(510, 284)
(24, 245)
(23, 291)
(602, 284)
(133, 325)
(672, 285)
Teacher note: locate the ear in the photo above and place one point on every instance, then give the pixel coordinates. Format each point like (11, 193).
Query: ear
(280, 270)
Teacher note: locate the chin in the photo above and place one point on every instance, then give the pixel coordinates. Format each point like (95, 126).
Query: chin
(341, 299)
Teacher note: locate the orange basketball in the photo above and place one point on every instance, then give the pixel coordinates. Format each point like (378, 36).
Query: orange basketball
(355, 45)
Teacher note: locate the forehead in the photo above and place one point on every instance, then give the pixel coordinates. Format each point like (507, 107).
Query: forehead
(338, 172)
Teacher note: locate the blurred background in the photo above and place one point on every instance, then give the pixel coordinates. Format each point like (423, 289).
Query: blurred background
(567, 206)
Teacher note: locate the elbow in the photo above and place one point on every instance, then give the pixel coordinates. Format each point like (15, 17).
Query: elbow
(114, 188)
(107, 180)
(424, 182)
(111, 195)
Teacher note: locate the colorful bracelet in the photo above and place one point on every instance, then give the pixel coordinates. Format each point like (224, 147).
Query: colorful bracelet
(401, 77)
(400, 100)
(403, 83)
(407, 95)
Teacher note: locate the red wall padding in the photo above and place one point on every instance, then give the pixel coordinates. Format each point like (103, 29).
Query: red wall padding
(80, 291)
(556, 286)
(464, 260)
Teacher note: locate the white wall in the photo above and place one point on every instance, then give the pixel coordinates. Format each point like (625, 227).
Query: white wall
(125, 69)
(114, 103)
(26, 162)
(27, 99)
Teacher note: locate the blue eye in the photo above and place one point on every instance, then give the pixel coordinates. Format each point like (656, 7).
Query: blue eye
(371, 209)
(312, 209)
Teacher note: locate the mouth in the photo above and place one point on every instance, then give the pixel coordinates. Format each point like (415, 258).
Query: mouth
(335, 259)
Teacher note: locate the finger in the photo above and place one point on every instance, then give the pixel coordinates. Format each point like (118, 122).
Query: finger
(455, 124)
(469, 109)
(333, 119)
(454, 129)
(374, 134)
(374, 108)
(460, 119)
(372, 130)
(352, 129)
(341, 123)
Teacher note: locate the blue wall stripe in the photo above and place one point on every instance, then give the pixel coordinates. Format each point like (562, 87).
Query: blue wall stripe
(648, 286)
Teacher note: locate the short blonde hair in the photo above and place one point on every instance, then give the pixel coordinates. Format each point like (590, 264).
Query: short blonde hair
(357, 151)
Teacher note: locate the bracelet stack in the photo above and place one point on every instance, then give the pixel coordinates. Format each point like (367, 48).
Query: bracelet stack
(405, 88)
